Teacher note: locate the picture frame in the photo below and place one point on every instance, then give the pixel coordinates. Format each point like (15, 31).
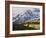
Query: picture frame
(15, 6)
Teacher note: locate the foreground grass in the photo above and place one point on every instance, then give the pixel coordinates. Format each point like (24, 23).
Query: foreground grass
(26, 26)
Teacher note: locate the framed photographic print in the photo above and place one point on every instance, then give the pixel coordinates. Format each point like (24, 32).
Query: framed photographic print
(24, 18)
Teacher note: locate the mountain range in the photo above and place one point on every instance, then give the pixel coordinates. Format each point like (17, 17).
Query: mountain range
(28, 16)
